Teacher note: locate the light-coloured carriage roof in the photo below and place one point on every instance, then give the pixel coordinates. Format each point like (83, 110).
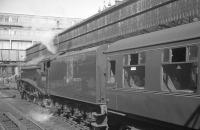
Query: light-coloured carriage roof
(179, 33)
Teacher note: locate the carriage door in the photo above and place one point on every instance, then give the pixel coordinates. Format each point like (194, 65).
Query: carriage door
(45, 75)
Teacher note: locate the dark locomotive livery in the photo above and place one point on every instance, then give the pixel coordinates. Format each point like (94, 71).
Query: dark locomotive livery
(152, 76)
(72, 84)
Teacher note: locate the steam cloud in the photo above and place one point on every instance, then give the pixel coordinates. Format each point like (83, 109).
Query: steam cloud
(46, 38)
(35, 61)
(40, 115)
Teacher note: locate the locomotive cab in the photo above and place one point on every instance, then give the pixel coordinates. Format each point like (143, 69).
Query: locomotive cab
(45, 65)
(32, 83)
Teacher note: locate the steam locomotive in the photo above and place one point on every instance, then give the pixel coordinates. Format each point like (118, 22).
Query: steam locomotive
(110, 74)
(153, 75)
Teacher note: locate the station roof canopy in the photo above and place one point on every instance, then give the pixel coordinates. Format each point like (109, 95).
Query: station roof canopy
(178, 33)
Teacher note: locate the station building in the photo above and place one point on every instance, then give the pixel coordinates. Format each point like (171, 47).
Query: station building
(19, 32)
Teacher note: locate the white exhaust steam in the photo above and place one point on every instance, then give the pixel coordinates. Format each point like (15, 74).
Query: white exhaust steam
(46, 38)
(40, 115)
(35, 61)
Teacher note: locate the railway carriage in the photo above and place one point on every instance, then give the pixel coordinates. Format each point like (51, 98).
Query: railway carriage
(156, 76)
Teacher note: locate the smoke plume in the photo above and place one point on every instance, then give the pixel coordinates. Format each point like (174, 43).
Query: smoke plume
(35, 61)
(40, 115)
(46, 38)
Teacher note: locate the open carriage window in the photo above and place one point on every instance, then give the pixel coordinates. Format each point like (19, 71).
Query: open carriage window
(133, 59)
(134, 70)
(112, 71)
(180, 74)
(178, 54)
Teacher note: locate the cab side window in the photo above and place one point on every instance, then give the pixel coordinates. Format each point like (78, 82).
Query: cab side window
(134, 70)
(48, 64)
(180, 70)
(45, 65)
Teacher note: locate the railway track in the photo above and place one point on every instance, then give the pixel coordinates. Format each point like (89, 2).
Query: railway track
(30, 123)
(9, 122)
(73, 124)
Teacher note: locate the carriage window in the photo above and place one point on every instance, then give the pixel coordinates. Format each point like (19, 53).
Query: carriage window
(134, 71)
(133, 59)
(112, 69)
(193, 53)
(179, 54)
(142, 58)
(183, 76)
